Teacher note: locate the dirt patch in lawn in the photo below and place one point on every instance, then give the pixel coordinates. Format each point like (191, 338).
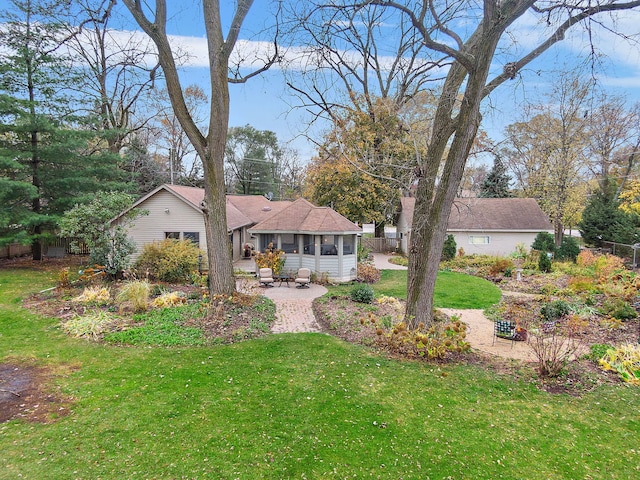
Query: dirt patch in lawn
(27, 393)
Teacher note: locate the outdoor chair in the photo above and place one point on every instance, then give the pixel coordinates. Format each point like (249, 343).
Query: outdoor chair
(504, 329)
(303, 278)
(265, 275)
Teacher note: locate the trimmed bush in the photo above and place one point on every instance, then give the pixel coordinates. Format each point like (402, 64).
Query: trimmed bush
(362, 293)
(449, 248)
(544, 262)
(569, 249)
(169, 260)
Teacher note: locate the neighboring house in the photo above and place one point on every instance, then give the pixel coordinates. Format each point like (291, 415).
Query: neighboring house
(318, 238)
(175, 212)
(492, 226)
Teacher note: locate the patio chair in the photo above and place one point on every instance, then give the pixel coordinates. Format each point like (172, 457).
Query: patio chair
(265, 275)
(303, 278)
(504, 329)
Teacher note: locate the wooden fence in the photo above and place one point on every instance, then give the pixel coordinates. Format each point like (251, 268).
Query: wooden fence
(14, 250)
(379, 244)
(56, 247)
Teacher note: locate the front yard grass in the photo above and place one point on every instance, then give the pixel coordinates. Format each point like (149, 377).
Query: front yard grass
(295, 406)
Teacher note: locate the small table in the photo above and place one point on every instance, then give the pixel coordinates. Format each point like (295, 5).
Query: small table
(284, 277)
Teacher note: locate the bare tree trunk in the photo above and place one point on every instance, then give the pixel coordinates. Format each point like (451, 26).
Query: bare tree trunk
(437, 190)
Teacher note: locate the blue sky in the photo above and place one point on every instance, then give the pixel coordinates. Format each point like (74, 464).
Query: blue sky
(265, 103)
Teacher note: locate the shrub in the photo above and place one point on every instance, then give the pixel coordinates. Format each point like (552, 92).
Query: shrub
(449, 248)
(618, 308)
(91, 325)
(169, 260)
(363, 252)
(586, 258)
(368, 273)
(554, 310)
(625, 360)
(607, 265)
(169, 299)
(544, 262)
(271, 258)
(362, 293)
(93, 296)
(544, 242)
(109, 244)
(554, 344)
(568, 250)
(500, 265)
(429, 343)
(136, 293)
(63, 278)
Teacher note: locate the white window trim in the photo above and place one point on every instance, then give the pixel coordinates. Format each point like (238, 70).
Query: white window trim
(487, 239)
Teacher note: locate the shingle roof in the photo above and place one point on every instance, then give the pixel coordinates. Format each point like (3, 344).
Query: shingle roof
(192, 195)
(304, 217)
(256, 207)
(516, 214)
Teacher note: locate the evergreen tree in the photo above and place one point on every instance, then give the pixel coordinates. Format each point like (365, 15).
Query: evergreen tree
(602, 221)
(449, 248)
(253, 161)
(496, 184)
(49, 156)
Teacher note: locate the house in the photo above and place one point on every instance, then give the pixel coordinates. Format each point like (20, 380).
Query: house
(492, 226)
(318, 238)
(175, 212)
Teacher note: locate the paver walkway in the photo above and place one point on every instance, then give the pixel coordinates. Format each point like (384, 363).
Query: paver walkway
(293, 307)
(295, 314)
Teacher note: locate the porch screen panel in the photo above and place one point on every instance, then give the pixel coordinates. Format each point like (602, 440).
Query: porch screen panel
(289, 242)
(309, 245)
(329, 245)
(348, 245)
(267, 239)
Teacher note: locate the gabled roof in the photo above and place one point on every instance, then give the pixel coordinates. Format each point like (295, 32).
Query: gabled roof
(190, 195)
(304, 217)
(256, 207)
(514, 214)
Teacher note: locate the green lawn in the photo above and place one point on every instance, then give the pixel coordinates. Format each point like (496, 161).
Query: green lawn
(304, 406)
(453, 290)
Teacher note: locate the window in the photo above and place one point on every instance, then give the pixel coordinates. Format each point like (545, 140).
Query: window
(348, 242)
(267, 239)
(309, 245)
(193, 236)
(172, 235)
(479, 239)
(329, 245)
(289, 242)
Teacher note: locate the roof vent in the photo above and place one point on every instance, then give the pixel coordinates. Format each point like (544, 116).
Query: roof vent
(266, 209)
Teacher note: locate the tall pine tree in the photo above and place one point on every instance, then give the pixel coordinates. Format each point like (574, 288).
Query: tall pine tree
(50, 158)
(496, 185)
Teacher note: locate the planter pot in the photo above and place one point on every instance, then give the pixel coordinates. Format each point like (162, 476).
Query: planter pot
(520, 335)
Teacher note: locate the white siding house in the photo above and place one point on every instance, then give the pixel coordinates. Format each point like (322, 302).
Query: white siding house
(491, 226)
(314, 237)
(170, 216)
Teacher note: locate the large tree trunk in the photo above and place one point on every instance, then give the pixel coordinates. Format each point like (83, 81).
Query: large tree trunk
(210, 148)
(437, 187)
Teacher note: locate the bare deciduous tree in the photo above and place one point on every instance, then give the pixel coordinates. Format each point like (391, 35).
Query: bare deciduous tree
(117, 74)
(209, 145)
(465, 37)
